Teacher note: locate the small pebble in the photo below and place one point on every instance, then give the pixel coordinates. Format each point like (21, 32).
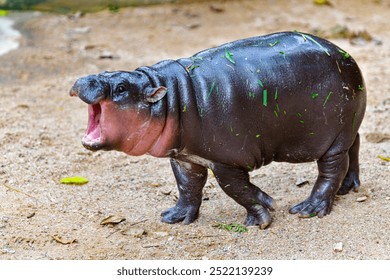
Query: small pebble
(300, 182)
(338, 247)
(361, 198)
(160, 233)
(134, 232)
(166, 190)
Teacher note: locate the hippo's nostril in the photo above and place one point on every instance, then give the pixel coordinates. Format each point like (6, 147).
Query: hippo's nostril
(90, 89)
(73, 92)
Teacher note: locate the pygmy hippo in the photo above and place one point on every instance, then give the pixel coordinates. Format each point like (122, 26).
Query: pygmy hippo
(285, 97)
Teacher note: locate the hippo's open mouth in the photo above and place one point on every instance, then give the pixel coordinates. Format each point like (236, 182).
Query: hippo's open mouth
(92, 140)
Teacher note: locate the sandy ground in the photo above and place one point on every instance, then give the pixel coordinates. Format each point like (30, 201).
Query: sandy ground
(41, 128)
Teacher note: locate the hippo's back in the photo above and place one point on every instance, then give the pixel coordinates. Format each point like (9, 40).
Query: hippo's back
(284, 97)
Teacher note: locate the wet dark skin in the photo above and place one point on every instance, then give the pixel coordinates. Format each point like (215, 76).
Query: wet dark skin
(286, 97)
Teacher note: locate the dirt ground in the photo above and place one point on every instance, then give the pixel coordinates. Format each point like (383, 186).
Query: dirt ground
(41, 128)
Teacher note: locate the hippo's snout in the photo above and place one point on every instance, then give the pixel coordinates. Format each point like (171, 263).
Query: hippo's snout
(90, 89)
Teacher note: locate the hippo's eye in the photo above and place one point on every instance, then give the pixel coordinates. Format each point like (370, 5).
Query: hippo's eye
(120, 89)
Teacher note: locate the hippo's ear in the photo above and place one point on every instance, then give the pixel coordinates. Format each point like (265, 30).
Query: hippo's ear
(155, 94)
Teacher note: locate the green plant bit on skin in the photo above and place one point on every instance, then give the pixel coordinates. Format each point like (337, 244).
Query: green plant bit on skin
(344, 53)
(252, 95)
(311, 133)
(361, 88)
(191, 67)
(185, 108)
(276, 94)
(231, 227)
(211, 89)
(195, 58)
(315, 42)
(314, 95)
(277, 110)
(250, 168)
(229, 56)
(274, 44)
(258, 135)
(327, 98)
(260, 83)
(265, 97)
(300, 118)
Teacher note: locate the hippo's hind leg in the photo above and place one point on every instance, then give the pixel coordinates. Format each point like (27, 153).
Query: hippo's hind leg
(235, 183)
(351, 180)
(332, 169)
(190, 179)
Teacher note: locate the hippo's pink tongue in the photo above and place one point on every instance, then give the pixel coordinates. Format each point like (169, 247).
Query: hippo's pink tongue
(92, 137)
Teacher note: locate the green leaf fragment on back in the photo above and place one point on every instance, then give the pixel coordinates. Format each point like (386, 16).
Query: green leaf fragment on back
(274, 43)
(315, 42)
(211, 89)
(260, 83)
(229, 56)
(265, 97)
(344, 53)
(314, 95)
(327, 98)
(251, 95)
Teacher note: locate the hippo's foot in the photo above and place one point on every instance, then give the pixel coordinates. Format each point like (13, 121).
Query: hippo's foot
(332, 170)
(351, 182)
(190, 180)
(312, 207)
(176, 214)
(258, 216)
(235, 183)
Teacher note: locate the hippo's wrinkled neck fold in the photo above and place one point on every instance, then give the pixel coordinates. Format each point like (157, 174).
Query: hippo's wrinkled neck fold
(174, 77)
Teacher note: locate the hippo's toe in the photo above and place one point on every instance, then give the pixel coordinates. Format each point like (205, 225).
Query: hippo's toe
(258, 216)
(177, 214)
(311, 208)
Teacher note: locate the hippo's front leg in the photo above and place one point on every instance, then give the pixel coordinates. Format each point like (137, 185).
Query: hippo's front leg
(235, 183)
(190, 179)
